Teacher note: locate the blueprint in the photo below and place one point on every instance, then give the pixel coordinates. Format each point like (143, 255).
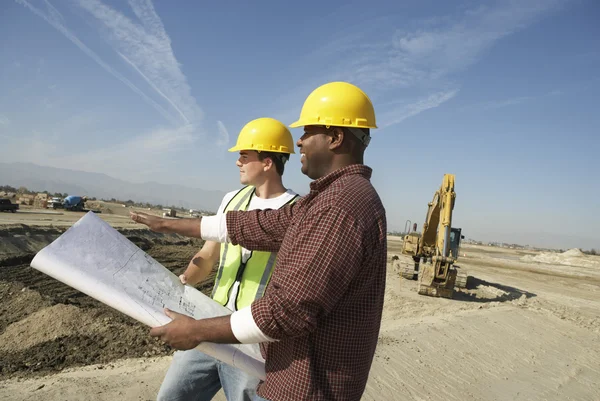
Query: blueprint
(97, 260)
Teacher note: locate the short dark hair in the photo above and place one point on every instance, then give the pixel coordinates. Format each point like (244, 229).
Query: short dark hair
(367, 131)
(279, 159)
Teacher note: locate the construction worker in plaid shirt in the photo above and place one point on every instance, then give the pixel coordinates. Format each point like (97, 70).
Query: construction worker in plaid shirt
(319, 319)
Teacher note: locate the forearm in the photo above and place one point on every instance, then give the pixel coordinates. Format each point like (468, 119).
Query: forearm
(259, 230)
(196, 273)
(185, 227)
(215, 330)
(202, 263)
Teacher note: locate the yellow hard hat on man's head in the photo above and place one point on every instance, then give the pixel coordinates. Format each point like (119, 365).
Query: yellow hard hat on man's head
(338, 104)
(265, 135)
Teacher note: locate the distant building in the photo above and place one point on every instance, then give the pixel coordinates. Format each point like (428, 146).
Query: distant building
(41, 201)
(26, 199)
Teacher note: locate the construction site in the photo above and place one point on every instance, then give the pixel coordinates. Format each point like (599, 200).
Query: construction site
(460, 322)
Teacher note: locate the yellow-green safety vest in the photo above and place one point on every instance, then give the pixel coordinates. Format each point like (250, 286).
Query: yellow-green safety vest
(254, 275)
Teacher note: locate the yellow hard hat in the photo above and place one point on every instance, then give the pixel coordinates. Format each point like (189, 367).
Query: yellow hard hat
(337, 104)
(265, 134)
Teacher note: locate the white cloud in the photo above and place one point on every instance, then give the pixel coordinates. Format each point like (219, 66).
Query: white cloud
(146, 47)
(420, 61)
(141, 156)
(4, 120)
(223, 138)
(54, 14)
(52, 19)
(143, 45)
(439, 48)
(497, 104)
(517, 100)
(400, 113)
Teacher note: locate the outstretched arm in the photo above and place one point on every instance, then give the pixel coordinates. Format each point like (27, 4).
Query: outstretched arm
(256, 230)
(260, 230)
(185, 227)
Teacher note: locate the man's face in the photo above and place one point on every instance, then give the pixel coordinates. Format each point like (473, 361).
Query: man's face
(314, 151)
(251, 168)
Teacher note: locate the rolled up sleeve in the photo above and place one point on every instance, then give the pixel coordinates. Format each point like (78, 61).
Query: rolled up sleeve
(214, 228)
(245, 329)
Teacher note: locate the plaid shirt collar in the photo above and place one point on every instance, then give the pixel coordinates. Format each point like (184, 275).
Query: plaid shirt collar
(322, 183)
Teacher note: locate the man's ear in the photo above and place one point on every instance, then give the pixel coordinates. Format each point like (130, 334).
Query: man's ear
(267, 163)
(337, 138)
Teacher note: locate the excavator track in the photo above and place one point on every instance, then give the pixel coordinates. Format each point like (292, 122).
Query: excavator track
(461, 278)
(408, 273)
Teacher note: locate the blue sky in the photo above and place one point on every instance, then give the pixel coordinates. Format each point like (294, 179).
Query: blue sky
(504, 94)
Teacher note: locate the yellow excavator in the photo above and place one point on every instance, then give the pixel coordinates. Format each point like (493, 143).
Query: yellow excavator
(435, 250)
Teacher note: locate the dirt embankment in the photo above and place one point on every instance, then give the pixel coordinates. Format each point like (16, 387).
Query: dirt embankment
(46, 326)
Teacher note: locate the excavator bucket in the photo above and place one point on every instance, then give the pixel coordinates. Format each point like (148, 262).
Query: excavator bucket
(437, 279)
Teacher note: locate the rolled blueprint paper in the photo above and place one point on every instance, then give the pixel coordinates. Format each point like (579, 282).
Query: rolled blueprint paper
(97, 260)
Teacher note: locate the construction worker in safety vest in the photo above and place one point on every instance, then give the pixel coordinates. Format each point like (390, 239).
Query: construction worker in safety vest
(264, 146)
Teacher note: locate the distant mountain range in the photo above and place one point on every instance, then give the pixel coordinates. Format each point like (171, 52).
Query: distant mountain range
(102, 186)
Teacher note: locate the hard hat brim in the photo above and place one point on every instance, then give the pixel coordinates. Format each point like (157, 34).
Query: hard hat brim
(296, 124)
(301, 123)
(240, 148)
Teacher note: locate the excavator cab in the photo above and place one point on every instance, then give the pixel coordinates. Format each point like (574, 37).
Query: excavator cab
(455, 238)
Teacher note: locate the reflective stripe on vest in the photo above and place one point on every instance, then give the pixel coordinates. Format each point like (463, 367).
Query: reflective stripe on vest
(253, 275)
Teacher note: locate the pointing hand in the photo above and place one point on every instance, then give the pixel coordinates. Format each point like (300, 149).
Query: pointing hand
(154, 223)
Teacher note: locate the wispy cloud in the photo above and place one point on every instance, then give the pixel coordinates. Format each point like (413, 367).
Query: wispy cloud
(438, 48)
(399, 113)
(223, 138)
(145, 151)
(422, 60)
(4, 120)
(497, 104)
(56, 22)
(145, 46)
(513, 101)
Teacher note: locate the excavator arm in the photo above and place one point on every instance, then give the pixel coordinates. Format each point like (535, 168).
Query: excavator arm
(447, 197)
(435, 234)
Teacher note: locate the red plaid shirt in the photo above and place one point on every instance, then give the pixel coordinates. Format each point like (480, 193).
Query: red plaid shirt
(325, 298)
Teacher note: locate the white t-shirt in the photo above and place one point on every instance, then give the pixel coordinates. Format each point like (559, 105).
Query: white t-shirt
(255, 203)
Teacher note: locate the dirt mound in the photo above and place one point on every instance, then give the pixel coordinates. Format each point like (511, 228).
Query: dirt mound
(39, 335)
(46, 326)
(17, 240)
(18, 302)
(572, 257)
(573, 252)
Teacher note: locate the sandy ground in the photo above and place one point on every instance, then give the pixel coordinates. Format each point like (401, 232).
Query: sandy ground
(526, 328)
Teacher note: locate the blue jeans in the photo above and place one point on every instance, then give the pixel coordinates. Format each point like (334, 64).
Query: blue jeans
(196, 376)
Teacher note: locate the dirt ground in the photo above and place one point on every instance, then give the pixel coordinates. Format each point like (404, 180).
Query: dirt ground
(527, 326)
(46, 326)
